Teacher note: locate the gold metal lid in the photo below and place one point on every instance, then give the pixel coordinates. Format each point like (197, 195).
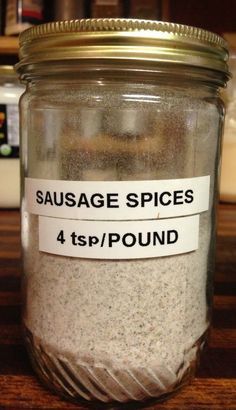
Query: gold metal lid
(153, 42)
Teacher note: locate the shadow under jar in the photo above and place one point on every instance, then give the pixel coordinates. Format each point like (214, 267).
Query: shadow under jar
(120, 124)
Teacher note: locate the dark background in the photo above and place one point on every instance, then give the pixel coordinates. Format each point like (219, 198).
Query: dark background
(218, 16)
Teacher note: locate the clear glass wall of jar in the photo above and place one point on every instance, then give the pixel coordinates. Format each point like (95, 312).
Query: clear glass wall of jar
(120, 160)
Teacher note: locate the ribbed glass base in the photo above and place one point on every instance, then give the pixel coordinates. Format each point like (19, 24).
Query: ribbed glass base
(109, 385)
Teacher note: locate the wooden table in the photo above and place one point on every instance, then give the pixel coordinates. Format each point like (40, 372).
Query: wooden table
(215, 385)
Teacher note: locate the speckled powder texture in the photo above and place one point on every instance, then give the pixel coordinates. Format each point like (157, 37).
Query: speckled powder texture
(144, 313)
(128, 313)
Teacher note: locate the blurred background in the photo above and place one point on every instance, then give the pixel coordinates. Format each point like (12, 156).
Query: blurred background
(17, 15)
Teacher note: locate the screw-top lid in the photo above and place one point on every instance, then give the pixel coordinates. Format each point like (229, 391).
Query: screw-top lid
(122, 40)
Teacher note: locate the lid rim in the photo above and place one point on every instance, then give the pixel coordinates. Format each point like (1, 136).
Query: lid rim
(115, 25)
(115, 39)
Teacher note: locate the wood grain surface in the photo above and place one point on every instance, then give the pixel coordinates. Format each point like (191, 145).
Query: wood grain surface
(214, 388)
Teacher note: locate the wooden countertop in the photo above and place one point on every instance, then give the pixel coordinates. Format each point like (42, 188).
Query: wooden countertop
(214, 388)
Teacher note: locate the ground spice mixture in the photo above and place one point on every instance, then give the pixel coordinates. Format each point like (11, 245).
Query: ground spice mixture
(120, 329)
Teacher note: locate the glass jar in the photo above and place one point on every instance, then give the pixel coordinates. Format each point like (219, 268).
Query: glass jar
(10, 92)
(121, 126)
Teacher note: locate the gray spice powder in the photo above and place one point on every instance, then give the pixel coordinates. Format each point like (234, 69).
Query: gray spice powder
(119, 314)
(126, 314)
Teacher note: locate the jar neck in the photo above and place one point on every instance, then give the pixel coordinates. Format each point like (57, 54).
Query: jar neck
(130, 73)
(133, 90)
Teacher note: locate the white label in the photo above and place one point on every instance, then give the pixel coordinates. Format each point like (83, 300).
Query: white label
(118, 240)
(117, 200)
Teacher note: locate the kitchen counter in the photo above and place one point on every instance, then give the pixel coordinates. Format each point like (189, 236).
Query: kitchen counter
(214, 388)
